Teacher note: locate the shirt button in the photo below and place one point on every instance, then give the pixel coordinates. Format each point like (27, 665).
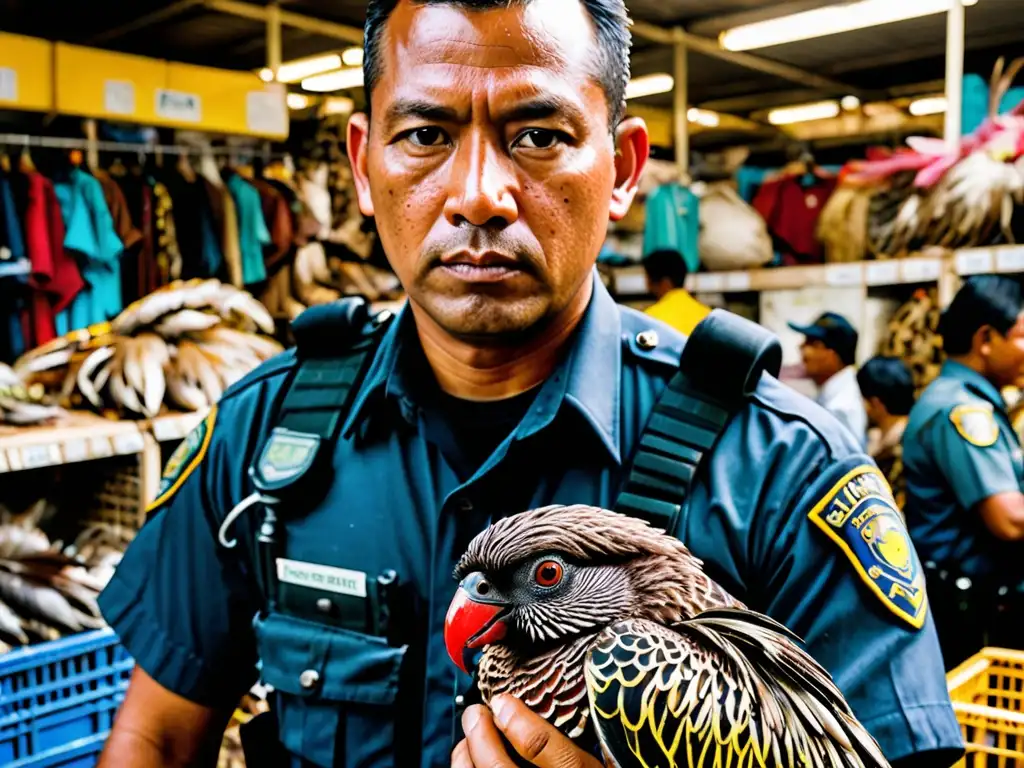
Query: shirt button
(460, 700)
(647, 339)
(309, 679)
(324, 605)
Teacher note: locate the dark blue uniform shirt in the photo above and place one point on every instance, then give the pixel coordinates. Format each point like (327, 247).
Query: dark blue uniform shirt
(959, 449)
(788, 514)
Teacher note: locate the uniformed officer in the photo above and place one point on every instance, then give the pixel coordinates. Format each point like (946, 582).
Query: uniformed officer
(964, 469)
(494, 156)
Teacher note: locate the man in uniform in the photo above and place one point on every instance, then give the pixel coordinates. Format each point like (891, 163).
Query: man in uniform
(493, 156)
(964, 469)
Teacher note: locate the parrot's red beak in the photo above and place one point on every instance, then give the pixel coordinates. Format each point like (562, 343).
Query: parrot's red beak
(473, 620)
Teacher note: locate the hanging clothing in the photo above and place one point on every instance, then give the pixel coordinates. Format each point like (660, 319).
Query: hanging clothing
(195, 224)
(91, 235)
(165, 235)
(13, 289)
(252, 229)
(231, 271)
(791, 207)
(277, 216)
(123, 224)
(138, 268)
(672, 222)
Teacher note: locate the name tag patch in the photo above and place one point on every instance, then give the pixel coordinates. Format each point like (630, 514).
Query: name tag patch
(339, 580)
(861, 517)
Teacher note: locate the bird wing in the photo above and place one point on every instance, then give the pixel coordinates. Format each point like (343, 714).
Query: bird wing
(726, 688)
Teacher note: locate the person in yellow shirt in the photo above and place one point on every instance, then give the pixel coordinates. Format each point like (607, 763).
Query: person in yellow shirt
(666, 278)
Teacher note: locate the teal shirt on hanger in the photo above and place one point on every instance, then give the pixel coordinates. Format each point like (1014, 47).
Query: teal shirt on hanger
(252, 229)
(91, 235)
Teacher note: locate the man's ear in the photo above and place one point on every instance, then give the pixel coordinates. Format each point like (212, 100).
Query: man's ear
(632, 148)
(983, 340)
(358, 148)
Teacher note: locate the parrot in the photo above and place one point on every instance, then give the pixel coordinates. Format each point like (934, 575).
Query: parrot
(610, 629)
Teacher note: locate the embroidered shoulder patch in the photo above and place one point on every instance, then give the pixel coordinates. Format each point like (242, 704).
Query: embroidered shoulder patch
(976, 424)
(861, 517)
(186, 457)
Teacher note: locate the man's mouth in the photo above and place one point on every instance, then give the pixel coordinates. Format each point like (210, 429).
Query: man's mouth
(488, 267)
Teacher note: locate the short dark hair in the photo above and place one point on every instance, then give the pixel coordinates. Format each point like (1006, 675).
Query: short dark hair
(992, 300)
(663, 264)
(889, 379)
(611, 27)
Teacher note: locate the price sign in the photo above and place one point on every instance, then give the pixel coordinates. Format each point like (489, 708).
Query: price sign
(266, 111)
(883, 273)
(14, 460)
(8, 84)
(34, 456)
(76, 450)
(921, 270)
(844, 275)
(1010, 259)
(119, 97)
(129, 442)
(178, 105)
(976, 261)
(737, 281)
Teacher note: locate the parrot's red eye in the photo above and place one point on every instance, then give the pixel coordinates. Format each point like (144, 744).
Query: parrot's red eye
(549, 573)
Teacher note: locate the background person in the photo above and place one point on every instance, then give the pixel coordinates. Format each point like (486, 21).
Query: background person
(888, 390)
(666, 280)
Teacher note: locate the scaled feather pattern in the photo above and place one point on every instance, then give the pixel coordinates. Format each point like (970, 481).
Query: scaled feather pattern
(611, 631)
(180, 346)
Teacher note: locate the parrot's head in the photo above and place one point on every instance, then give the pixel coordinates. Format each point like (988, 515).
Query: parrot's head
(549, 575)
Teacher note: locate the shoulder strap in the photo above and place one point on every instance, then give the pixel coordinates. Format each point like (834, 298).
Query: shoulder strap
(335, 344)
(719, 369)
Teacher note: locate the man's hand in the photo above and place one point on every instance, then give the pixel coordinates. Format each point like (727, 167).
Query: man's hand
(530, 735)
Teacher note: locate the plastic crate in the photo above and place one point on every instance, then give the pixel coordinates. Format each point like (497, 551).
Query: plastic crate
(987, 692)
(58, 700)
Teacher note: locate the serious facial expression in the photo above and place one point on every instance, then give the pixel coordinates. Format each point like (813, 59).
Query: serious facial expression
(489, 163)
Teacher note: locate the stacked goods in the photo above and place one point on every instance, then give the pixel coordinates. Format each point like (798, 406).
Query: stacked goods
(22, 405)
(181, 346)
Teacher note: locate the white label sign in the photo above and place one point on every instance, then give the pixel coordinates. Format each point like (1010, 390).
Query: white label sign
(76, 450)
(266, 111)
(976, 261)
(711, 283)
(737, 281)
(178, 105)
(339, 580)
(119, 97)
(1010, 259)
(844, 274)
(8, 84)
(100, 447)
(882, 273)
(129, 442)
(921, 270)
(33, 456)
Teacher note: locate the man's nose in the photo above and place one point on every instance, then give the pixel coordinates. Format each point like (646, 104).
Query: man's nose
(482, 186)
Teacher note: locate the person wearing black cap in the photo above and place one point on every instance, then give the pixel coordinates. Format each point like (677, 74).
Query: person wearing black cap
(829, 352)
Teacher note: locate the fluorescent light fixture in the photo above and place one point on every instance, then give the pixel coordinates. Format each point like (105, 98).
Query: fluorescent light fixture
(703, 117)
(297, 101)
(830, 20)
(339, 80)
(648, 85)
(930, 105)
(820, 110)
(850, 103)
(267, 75)
(337, 105)
(352, 57)
(300, 69)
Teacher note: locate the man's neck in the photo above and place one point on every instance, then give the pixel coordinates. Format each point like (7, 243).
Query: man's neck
(888, 423)
(821, 382)
(972, 361)
(477, 372)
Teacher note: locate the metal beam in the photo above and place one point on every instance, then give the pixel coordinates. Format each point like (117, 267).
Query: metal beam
(711, 48)
(348, 34)
(274, 37)
(955, 35)
(172, 10)
(680, 121)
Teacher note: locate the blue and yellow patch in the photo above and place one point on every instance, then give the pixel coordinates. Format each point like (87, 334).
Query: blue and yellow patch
(186, 457)
(860, 515)
(976, 424)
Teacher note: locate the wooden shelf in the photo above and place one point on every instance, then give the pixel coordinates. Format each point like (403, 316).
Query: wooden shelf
(629, 281)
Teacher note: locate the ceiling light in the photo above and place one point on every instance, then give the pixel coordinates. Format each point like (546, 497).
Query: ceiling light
(352, 57)
(821, 110)
(830, 20)
(267, 75)
(337, 105)
(294, 71)
(338, 80)
(297, 101)
(850, 103)
(930, 105)
(648, 85)
(703, 117)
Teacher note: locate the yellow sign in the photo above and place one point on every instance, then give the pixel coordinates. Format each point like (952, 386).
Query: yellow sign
(26, 73)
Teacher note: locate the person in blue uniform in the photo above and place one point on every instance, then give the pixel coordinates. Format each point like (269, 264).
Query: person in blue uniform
(963, 469)
(495, 152)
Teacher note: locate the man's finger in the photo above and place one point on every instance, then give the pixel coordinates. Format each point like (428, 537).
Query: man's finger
(535, 739)
(483, 740)
(460, 756)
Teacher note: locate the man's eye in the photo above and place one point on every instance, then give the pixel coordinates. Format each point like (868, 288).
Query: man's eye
(538, 138)
(427, 137)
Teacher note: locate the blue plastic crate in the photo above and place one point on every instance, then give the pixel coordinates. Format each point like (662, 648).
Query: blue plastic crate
(58, 700)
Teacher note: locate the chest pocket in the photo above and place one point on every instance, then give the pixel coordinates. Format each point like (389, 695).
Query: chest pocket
(335, 690)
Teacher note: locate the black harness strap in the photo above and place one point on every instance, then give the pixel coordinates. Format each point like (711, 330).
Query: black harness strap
(721, 364)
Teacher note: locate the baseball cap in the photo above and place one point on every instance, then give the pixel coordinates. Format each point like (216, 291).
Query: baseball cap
(835, 332)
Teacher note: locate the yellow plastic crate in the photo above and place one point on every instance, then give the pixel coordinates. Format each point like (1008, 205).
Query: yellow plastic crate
(987, 692)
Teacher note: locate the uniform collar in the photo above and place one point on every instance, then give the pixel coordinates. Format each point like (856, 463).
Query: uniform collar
(588, 379)
(975, 382)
